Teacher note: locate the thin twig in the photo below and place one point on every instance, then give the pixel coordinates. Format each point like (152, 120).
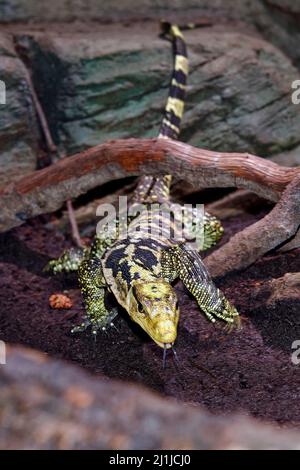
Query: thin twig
(52, 149)
(41, 116)
(74, 226)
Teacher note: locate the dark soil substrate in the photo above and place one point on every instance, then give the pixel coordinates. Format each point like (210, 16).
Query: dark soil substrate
(249, 371)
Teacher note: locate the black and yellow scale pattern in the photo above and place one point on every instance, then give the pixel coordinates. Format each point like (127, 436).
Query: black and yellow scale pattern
(140, 268)
(151, 189)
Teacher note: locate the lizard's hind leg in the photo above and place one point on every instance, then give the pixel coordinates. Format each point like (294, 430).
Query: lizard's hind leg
(213, 231)
(69, 261)
(205, 229)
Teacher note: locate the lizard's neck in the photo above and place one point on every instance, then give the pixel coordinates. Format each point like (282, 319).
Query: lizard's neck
(131, 260)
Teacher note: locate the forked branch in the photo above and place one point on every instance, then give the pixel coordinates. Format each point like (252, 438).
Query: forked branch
(280, 225)
(46, 190)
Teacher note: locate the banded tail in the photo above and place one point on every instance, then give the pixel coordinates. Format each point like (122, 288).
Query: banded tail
(170, 126)
(150, 189)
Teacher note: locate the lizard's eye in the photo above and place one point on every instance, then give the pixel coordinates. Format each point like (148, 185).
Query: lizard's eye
(140, 307)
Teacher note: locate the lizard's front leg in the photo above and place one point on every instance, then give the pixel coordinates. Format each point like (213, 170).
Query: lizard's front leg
(69, 261)
(93, 289)
(213, 231)
(205, 228)
(189, 267)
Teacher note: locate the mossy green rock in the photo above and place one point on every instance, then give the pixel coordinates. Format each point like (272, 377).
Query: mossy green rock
(113, 84)
(277, 20)
(18, 126)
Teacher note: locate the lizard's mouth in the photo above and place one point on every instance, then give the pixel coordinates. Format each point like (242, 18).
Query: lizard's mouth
(163, 345)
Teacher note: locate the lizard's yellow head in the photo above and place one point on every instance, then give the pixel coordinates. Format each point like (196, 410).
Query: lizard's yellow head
(154, 306)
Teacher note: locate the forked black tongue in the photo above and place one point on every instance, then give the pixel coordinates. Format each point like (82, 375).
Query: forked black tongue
(165, 356)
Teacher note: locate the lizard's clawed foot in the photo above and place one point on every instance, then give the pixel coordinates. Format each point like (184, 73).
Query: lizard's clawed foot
(101, 325)
(69, 261)
(82, 327)
(226, 312)
(236, 324)
(53, 267)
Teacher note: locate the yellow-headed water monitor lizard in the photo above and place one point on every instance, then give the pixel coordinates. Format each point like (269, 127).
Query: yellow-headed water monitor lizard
(139, 268)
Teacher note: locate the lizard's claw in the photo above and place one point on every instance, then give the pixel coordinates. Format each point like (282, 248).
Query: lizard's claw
(235, 324)
(82, 327)
(98, 325)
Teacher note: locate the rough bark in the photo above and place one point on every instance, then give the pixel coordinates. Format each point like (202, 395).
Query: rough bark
(282, 289)
(291, 244)
(47, 404)
(47, 189)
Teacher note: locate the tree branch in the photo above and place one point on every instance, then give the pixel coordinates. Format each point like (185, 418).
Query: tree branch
(254, 241)
(46, 190)
(280, 289)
